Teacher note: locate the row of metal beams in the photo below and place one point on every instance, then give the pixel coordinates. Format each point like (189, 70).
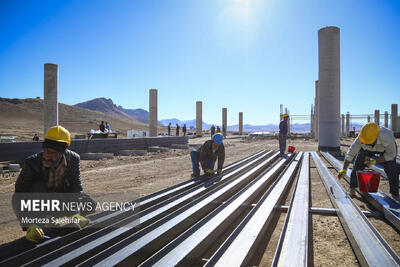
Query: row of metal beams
(224, 217)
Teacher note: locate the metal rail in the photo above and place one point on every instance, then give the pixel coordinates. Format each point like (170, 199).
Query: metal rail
(293, 245)
(369, 246)
(95, 243)
(110, 223)
(191, 244)
(138, 247)
(239, 248)
(386, 205)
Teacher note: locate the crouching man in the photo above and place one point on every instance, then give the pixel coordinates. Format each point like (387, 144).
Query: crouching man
(54, 170)
(207, 154)
(373, 140)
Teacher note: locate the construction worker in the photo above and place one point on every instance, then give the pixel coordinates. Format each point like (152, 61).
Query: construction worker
(102, 127)
(169, 129)
(207, 154)
(212, 130)
(177, 130)
(184, 130)
(283, 130)
(54, 170)
(373, 140)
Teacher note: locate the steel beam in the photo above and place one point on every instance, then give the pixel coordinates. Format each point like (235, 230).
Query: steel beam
(176, 198)
(369, 246)
(292, 249)
(191, 244)
(126, 230)
(143, 244)
(386, 205)
(332, 212)
(239, 248)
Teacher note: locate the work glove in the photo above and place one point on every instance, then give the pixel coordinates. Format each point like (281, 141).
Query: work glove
(34, 233)
(209, 172)
(219, 171)
(369, 163)
(82, 221)
(341, 173)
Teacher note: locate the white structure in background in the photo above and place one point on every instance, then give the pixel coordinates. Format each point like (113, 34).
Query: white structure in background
(136, 133)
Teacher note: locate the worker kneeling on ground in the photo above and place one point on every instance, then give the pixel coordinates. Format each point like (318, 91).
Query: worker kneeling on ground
(55, 170)
(207, 154)
(372, 141)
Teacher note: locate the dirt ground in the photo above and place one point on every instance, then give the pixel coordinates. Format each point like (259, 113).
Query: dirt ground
(135, 176)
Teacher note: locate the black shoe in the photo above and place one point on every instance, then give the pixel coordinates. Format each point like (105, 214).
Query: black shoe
(195, 175)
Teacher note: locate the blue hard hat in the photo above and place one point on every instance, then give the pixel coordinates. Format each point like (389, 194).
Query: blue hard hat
(217, 138)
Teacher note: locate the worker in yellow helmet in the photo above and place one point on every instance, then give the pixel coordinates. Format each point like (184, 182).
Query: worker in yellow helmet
(283, 131)
(374, 145)
(54, 170)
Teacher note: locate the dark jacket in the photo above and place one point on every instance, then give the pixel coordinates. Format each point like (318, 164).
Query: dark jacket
(283, 127)
(206, 152)
(102, 127)
(33, 177)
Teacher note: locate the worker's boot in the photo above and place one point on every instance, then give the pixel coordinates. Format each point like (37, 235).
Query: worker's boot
(194, 175)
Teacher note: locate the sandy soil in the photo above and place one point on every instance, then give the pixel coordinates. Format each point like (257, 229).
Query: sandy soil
(135, 176)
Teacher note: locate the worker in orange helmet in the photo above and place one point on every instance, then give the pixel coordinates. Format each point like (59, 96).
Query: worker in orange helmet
(373, 140)
(54, 170)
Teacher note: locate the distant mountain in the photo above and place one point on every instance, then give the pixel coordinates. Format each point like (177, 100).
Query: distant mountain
(106, 106)
(141, 114)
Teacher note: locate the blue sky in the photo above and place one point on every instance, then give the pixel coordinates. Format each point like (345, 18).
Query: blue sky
(247, 56)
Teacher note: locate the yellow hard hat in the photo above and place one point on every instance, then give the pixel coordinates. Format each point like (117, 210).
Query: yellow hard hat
(58, 134)
(285, 115)
(369, 133)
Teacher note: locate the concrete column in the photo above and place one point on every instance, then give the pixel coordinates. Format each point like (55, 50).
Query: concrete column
(312, 121)
(369, 118)
(50, 108)
(394, 121)
(199, 118)
(153, 112)
(347, 124)
(376, 119)
(386, 119)
(316, 111)
(224, 120)
(329, 88)
(240, 123)
(342, 124)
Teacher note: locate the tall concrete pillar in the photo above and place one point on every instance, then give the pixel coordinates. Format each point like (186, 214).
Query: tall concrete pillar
(224, 120)
(316, 111)
(199, 118)
(369, 118)
(312, 121)
(50, 108)
(153, 112)
(386, 119)
(394, 121)
(347, 124)
(376, 114)
(329, 88)
(240, 123)
(342, 124)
